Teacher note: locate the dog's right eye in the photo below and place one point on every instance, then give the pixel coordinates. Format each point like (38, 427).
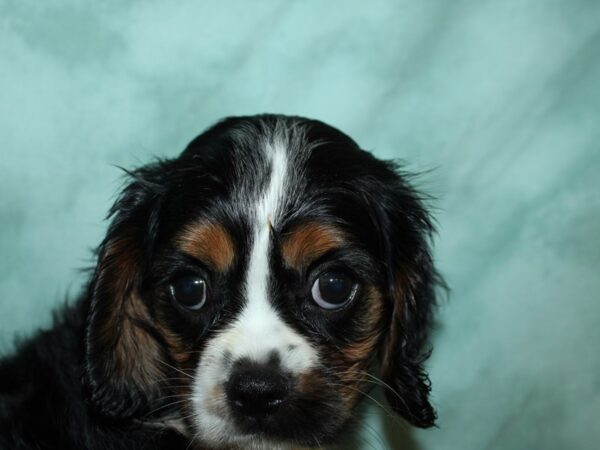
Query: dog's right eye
(189, 291)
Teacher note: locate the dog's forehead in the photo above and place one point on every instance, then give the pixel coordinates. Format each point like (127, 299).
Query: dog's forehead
(289, 174)
(232, 164)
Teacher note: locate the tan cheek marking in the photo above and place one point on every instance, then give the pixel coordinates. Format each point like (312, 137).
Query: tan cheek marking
(355, 357)
(309, 241)
(362, 350)
(210, 242)
(177, 350)
(310, 383)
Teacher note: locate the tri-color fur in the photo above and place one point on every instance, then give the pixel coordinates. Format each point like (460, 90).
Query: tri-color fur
(258, 207)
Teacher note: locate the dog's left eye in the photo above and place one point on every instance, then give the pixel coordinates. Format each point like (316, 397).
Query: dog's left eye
(332, 290)
(189, 291)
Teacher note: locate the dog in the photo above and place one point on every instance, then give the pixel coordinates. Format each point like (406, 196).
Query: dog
(242, 297)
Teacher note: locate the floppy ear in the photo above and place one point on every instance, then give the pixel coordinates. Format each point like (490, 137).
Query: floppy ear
(406, 229)
(122, 348)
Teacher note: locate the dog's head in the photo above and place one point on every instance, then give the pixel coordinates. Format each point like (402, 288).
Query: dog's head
(249, 285)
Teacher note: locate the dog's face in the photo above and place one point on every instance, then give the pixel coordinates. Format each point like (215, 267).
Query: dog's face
(247, 287)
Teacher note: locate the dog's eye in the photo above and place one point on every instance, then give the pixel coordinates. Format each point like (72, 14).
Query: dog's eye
(189, 291)
(333, 290)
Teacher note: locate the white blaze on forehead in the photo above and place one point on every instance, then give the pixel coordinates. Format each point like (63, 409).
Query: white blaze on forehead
(258, 308)
(259, 330)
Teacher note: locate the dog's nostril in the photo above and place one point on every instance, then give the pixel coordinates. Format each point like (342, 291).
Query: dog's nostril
(256, 389)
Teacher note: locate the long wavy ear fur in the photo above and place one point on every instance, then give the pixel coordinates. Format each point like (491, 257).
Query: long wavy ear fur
(122, 351)
(406, 229)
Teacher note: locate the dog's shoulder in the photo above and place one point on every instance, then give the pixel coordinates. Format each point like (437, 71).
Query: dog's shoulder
(43, 401)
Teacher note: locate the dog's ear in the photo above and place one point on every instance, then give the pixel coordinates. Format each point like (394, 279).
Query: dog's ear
(405, 230)
(122, 350)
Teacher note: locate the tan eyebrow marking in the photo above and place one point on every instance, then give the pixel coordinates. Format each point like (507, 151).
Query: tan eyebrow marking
(307, 242)
(208, 242)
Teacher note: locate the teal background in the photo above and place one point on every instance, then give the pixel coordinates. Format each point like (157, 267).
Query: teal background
(497, 101)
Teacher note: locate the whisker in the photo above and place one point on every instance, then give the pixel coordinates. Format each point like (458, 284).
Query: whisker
(162, 407)
(376, 434)
(175, 368)
(390, 414)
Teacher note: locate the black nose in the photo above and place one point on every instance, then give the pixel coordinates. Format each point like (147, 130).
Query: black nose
(256, 389)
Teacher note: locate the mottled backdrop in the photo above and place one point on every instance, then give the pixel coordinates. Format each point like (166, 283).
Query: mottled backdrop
(497, 101)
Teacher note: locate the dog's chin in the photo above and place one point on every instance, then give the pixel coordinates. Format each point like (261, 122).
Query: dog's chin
(221, 432)
(222, 435)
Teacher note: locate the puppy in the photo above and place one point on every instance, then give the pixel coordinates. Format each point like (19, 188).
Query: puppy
(242, 294)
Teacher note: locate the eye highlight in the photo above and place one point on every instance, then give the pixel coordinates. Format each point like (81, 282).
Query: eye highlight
(332, 290)
(189, 291)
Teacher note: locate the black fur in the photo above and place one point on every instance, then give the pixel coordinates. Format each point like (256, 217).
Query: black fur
(43, 403)
(101, 376)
